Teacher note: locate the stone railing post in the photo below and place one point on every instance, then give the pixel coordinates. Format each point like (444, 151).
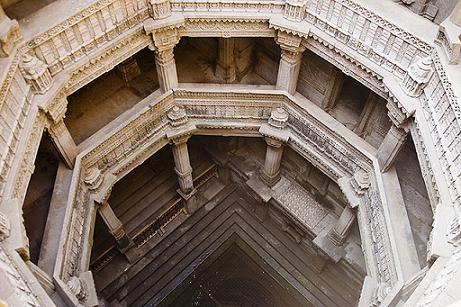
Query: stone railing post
(290, 61)
(276, 135)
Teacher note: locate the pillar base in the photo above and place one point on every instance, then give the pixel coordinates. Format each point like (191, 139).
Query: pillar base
(270, 181)
(190, 201)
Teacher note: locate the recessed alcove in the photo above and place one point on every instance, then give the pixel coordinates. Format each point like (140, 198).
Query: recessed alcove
(243, 60)
(38, 195)
(108, 96)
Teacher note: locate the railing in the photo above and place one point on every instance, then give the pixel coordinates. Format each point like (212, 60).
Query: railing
(159, 224)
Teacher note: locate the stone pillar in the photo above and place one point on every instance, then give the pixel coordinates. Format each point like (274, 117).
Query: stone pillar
(333, 90)
(182, 165)
(290, 61)
(166, 68)
(115, 226)
(64, 142)
(390, 147)
(276, 135)
(339, 232)
(165, 37)
(178, 136)
(9, 34)
(226, 67)
(363, 125)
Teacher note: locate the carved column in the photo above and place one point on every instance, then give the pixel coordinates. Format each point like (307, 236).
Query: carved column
(276, 135)
(339, 232)
(390, 147)
(362, 127)
(166, 69)
(64, 142)
(333, 90)
(9, 34)
(226, 67)
(165, 38)
(114, 226)
(178, 136)
(290, 61)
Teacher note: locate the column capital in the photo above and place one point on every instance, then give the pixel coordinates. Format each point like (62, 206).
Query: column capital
(56, 109)
(276, 131)
(290, 44)
(165, 34)
(355, 187)
(399, 116)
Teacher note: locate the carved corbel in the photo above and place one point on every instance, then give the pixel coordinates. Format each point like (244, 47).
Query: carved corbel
(165, 33)
(36, 74)
(417, 77)
(84, 289)
(290, 44)
(181, 129)
(99, 184)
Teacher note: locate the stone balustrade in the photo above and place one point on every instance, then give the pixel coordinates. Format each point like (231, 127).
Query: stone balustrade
(366, 42)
